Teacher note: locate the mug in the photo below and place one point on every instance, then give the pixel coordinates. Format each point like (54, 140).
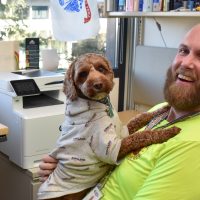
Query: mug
(50, 59)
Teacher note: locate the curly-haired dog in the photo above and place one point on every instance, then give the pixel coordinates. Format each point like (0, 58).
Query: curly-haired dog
(93, 137)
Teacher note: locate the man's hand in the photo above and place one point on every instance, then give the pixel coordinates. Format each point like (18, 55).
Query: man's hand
(46, 167)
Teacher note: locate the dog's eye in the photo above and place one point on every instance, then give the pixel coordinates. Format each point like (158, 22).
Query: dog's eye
(83, 74)
(101, 69)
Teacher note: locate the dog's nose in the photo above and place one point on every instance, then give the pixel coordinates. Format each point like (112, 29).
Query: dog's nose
(98, 86)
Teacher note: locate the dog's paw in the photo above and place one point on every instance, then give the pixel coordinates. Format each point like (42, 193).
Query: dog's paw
(141, 120)
(145, 138)
(159, 135)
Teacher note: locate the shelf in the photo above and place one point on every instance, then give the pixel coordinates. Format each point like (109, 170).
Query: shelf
(154, 14)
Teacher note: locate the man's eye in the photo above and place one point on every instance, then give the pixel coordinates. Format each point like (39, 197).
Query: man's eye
(183, 51)
(83, 74)
(198, 55)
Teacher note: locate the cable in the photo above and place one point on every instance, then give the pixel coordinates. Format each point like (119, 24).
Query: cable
(160, 30)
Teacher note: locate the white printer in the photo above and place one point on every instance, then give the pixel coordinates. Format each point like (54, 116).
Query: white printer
(32, 105)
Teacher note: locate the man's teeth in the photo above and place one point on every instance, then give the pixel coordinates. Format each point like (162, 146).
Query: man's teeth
(186, 78)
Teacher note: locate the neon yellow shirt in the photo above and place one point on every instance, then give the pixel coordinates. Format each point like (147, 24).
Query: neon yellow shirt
(167, 171)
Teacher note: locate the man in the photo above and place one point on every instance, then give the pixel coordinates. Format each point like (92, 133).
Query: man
(171, 170)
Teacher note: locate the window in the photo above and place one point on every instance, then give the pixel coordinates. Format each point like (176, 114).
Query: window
(38, 24)
(40, 12)
(69, 50)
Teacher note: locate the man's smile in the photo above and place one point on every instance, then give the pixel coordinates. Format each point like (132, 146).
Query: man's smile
(185, 78)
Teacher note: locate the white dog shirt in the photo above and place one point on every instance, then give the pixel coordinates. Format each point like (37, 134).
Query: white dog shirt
(89, 142)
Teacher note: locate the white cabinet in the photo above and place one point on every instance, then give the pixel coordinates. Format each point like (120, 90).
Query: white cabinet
(17, 183)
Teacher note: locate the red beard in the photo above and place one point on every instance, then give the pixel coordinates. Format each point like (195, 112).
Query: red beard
(181, 98)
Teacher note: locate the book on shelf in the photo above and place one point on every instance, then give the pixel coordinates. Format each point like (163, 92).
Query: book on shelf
(129, 5)
(134, 5)
(121, 5)
(146, 5)
(140, 6)
(157, 5)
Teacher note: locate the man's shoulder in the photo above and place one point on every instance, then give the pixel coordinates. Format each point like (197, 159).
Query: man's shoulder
(160, 105)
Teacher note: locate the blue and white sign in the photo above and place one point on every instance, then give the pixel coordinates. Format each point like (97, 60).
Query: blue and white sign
(74, 19)
(72, 5)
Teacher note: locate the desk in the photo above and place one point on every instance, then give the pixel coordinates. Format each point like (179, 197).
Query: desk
(20, 184)
(3, 132)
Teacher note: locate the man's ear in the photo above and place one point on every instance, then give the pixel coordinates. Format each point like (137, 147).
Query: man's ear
(69, 87)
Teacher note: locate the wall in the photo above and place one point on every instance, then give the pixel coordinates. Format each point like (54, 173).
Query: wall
(150, 84)
(115, 93)
(173, 30)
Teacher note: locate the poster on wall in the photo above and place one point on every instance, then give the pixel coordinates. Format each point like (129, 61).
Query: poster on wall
(32, 49)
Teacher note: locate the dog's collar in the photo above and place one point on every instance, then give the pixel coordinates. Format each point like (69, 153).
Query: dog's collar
(106, 101)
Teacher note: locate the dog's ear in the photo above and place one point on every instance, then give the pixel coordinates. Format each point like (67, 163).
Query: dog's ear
(110, 70)
(69, 87)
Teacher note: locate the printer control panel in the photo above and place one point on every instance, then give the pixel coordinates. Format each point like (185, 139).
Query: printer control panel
(25, 87)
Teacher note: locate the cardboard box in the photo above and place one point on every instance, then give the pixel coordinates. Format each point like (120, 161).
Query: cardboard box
(125, 116)
(9, 56)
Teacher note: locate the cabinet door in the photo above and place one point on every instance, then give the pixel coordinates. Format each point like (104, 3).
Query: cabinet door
(35, 186)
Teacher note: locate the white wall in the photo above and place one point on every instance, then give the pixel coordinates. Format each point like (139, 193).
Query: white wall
(173, 30)
(115, 93)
